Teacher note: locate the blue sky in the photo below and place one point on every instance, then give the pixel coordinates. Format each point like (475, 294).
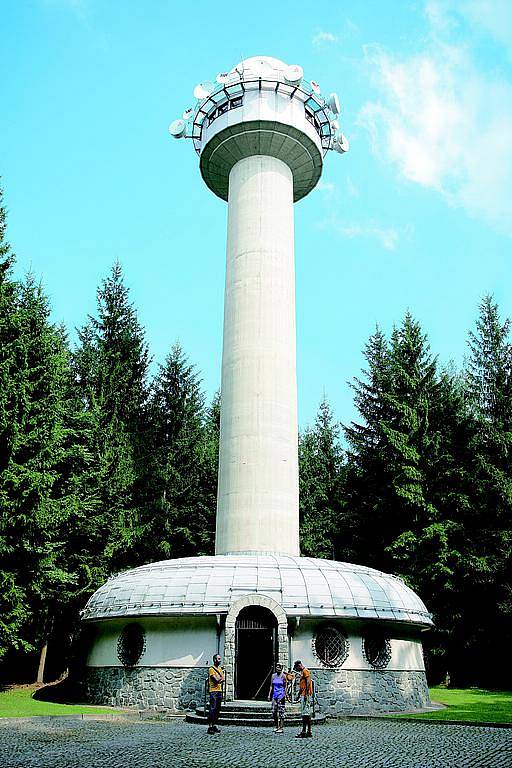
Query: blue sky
(418, 215)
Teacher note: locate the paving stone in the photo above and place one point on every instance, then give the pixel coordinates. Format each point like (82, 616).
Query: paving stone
(352, 743)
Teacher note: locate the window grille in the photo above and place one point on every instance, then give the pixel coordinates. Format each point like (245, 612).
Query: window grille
(377, 650)
(131, 645)
(223, 108)
(312, 118)
(251, 624)
(330, 647)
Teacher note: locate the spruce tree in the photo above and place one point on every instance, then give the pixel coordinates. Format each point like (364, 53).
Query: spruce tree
(425, 481)
(368, 482)
(110, 365)
(181, 520)
(33, 555)
(391, 450)
(489, 387)
(321, 473)
(209, 471)
(13, 606)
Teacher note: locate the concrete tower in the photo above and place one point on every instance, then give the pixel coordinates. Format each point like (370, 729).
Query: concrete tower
(261, 132)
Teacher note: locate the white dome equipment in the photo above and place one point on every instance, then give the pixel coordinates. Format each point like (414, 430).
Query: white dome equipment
(334, 103)
(293, 74)
(203, 90)
(340, 143)
(177, 129)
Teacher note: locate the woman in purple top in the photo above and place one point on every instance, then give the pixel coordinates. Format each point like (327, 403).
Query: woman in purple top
(276, 695)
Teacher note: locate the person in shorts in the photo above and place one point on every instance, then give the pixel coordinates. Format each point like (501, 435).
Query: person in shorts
(215, 680)
(305, 699)
(276, 695)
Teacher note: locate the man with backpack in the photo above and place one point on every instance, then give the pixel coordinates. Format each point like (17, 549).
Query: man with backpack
(306, 699)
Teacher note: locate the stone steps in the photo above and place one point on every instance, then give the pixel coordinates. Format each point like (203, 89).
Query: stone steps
(253, 707)
(252, 713)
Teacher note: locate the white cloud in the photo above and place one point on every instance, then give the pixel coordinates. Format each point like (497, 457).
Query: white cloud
(437, 15)
(387, 237)
(324, 37)
(492, 16)
(352, 189)
(332, 190)
(327, 187)
(443, 123)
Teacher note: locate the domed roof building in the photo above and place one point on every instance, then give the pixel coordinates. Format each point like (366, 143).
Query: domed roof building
(157, 627)
(261, 132)
(302, 586)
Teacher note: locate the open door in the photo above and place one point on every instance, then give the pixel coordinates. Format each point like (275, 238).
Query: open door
(255, 652)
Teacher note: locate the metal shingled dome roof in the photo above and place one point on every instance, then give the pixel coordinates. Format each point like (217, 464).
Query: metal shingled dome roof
(304, 586)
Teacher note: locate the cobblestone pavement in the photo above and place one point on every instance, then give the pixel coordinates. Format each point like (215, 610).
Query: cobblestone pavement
(354, 743)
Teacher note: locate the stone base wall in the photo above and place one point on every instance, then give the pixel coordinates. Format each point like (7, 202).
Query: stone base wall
(340, 692)
(345, 692)
(173, 688)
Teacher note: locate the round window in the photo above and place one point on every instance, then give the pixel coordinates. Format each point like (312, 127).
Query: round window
(131, 645)
(376, 650)
(330, 647)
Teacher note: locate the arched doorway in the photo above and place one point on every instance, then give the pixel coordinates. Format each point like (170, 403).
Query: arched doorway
(255, 652)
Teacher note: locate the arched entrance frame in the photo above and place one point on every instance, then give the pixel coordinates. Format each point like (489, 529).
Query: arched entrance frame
(229, 635)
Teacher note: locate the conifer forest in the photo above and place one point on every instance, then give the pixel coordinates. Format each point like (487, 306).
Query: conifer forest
(104, 467)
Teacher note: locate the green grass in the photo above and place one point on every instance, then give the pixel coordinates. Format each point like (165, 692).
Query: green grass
(465, 705)
(470, 705)
(18, 702)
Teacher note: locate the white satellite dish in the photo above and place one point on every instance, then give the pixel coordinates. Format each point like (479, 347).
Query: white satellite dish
(334, 103)
(340, 144)
(203, 90)
(335, 125)
(315, 86)
(260, 68)
(265, 66)
(293, 74)
(177, 129)
(188, 113)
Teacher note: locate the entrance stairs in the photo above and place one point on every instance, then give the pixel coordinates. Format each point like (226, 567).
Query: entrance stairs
(253, 713)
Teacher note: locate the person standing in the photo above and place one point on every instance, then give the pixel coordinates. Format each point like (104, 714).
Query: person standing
(215, 679)
(305, 698)
(276, 695)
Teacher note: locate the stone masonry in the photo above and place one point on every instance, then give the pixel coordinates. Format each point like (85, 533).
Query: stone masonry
(345, 692)
(340, 692)
(173, 688)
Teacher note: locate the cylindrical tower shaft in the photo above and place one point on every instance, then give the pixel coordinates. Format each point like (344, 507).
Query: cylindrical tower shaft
(258, 494)
(261, 132)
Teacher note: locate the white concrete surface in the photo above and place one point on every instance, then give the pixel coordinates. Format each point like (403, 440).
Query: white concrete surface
(192, 641)
(258, 494)
(406, 652)
(173, 642)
